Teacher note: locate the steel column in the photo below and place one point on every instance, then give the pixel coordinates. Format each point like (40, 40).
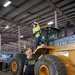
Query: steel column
(55, 18)
(19, 38)
(0, 41)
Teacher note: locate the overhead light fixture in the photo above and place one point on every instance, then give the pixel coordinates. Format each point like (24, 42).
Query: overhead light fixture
(49, 23)
(21, 36)
(6, 27)
(7, 3)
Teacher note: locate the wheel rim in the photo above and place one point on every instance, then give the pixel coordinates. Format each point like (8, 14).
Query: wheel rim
(14, 66)
(44, 70)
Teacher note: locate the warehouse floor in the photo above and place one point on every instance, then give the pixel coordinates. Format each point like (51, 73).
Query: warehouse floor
(5, 73)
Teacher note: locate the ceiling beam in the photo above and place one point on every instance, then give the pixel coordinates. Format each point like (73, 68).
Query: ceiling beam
(35, 13)
(11, 21)
(3, 32)
(59, 10)
(69, 9)
(66, 4)
(29, 9)
(16, 8)
(51, 15)
(40, 16)
(11, 38)
(49, 18)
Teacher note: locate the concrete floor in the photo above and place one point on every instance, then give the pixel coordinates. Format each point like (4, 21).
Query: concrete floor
(5, 73)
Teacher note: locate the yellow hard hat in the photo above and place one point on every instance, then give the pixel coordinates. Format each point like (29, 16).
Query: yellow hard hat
(29, 52)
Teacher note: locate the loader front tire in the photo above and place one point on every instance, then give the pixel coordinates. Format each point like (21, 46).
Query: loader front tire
(49, 65)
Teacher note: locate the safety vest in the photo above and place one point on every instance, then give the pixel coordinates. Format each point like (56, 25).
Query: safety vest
(36, 29)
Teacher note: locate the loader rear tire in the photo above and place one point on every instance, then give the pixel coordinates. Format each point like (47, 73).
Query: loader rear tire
(49, 65)
(17, 64)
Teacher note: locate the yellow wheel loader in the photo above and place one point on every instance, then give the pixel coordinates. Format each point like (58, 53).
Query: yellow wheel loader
(58, 55)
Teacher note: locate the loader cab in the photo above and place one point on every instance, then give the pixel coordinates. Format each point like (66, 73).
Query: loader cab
(50, 34)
